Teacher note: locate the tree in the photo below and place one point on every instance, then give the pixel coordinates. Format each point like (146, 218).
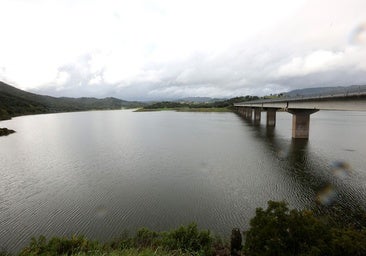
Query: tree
(279, 231)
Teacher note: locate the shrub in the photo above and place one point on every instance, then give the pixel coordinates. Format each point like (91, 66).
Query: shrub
(59, 246)
(189, 239)
(146, 238)
(278, 231)
(181, 241)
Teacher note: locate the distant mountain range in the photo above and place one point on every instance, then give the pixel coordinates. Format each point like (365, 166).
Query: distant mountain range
(16, 102)
(187, 100)
(198, 100)
(321, 91)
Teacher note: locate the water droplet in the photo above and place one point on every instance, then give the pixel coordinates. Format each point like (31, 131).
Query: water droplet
(101, 211)
(358, 35)
(341, 169)
(282, 155)
(327, 195)
(204, 167)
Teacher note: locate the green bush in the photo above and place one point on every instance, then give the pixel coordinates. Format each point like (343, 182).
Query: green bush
(279, 231)
(146, 238)
(60, 246)
(348, 241)
(185, 239)
(276, 230)
(189, 239)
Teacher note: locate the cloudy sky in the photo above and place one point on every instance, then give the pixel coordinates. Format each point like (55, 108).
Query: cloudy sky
(159, 49)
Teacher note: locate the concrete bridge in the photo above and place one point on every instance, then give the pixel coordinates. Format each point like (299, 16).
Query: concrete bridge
(301, 108)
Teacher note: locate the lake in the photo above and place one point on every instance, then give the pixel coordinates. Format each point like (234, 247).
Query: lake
(102, 173)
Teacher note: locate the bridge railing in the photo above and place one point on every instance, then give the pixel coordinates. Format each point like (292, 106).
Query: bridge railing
(306, 98)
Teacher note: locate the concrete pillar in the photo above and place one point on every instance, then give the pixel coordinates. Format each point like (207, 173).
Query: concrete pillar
(271, 117)
(249, 113)
(240, 111)
(245, 112)
(301, 122)
(257, 115)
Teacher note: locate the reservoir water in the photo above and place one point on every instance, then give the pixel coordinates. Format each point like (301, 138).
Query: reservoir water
(104, 172)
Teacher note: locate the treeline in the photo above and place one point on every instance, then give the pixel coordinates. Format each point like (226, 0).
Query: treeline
(276, 230)
(217, 104)
(15, 102)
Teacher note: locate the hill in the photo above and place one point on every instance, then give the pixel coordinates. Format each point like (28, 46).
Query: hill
(319, 91)
(16, 102)
(214, 106)
(198, 100)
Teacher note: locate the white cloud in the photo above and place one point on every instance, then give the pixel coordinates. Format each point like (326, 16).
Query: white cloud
(96, 80)
(323, 60)
(62, 78)
(316, 61)
(147, 47)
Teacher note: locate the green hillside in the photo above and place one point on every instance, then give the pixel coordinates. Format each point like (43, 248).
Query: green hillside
(15, 102)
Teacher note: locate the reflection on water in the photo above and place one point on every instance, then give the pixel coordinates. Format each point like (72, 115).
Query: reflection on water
(329, 184)
(101, 173)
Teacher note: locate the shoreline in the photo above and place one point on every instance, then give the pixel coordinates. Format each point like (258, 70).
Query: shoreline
(185, 109)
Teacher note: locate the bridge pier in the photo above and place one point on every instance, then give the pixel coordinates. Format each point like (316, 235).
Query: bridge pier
(257, 115)
(243, 112)
(271, 117)
(239, 110)
(301, 122)
(249, 113)
(300, 118)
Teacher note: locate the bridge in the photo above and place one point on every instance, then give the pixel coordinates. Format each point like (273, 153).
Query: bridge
(301, 108)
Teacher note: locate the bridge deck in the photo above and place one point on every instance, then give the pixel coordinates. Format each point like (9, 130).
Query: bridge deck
(301, 108)
(351, 101)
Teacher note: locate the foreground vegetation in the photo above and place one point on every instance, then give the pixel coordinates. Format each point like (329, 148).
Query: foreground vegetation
(276, 230)
(186, 240)
(280, 231)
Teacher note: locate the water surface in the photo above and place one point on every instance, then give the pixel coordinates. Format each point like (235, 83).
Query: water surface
(101, 173)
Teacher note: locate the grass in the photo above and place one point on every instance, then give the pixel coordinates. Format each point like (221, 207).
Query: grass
(185, 240)
(137, 252)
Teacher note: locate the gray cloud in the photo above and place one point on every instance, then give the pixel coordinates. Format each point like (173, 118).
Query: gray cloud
(240, 71)
(320, 44)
